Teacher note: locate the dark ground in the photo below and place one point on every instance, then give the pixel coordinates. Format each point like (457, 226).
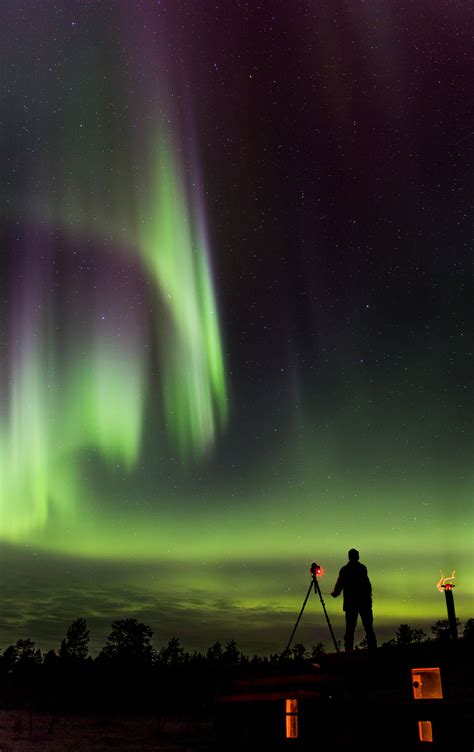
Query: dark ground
(22, 731)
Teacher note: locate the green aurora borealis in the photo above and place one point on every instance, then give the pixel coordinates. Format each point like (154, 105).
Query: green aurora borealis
(236, 307)
(95, 398)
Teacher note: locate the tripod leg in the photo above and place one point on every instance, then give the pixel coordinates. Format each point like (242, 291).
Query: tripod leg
(298, 620)
(318, 590)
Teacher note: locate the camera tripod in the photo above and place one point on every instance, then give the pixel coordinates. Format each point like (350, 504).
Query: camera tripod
(315, 571)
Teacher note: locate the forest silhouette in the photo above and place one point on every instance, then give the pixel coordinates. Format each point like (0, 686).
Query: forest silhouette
(130, 674)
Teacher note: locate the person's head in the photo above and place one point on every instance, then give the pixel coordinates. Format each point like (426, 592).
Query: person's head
(353, 554)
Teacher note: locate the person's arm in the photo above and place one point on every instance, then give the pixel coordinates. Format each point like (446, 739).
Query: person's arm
(368, 584)
(338, 586)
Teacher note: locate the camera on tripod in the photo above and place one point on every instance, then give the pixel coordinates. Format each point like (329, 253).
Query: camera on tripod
(316, 571)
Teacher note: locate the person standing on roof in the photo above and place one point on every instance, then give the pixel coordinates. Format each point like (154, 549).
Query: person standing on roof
(354, 581)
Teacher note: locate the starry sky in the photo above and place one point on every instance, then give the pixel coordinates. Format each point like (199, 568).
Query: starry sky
(236, 314)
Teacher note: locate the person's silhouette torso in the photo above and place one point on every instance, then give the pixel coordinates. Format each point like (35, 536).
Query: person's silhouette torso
(354, 581)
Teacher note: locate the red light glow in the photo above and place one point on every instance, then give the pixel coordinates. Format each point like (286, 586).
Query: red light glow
(443, 583)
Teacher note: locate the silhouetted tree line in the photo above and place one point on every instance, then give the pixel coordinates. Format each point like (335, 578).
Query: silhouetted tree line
(129, 673)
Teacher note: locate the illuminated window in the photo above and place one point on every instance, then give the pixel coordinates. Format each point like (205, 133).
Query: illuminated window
(291, 708)
(426, 684)
(425, 731)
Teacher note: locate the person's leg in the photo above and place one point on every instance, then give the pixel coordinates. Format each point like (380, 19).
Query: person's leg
(367, 621)
(351, 622)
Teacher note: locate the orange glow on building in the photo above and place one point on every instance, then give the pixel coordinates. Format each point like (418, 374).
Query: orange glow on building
(426, 684)
(425, 731)
(291, 709)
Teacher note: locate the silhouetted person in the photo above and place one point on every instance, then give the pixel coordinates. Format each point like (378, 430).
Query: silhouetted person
(354, 581)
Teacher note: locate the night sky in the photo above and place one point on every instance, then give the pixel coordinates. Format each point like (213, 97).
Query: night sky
(236, 314)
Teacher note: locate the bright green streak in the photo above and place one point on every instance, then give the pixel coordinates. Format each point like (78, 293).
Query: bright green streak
(24, 455)
(93, 398)
(103, 405)
(193, 373)
(95, 402)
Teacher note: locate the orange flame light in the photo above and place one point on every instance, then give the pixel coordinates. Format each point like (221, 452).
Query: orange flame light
(444, 582)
